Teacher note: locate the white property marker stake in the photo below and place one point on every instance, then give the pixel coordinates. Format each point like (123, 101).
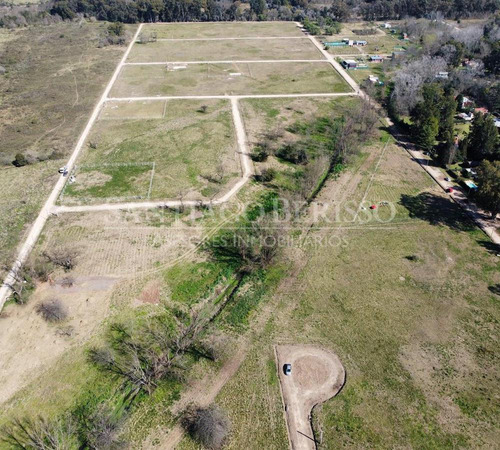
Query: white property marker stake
(46, 210)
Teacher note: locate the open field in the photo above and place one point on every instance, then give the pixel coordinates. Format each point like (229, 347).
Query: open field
(229, 79)
(223, 30)
(224, 50)
(405, 294)
(54, 76)
(414, 330)
(186, 152)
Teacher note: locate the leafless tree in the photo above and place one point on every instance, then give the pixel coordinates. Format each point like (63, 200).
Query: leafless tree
(102, 430)
(39, 434)
(52, 310)
(409, 80)
(144, 356)
(62, 257)
(209, 426)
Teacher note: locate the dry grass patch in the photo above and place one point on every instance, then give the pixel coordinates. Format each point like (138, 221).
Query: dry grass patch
(226, 50)
(230, 79)
(222, 30)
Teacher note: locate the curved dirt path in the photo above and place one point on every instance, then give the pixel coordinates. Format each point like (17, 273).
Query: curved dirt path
(317, 375)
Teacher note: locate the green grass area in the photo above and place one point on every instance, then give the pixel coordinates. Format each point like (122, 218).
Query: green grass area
(360, 75)
(225, 50)
(193, 152)
(222, 29)
(407, 308)
(227, 78)
(190, 282)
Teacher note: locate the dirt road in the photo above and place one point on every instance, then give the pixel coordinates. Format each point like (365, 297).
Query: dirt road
(317, 375)
(46, 211)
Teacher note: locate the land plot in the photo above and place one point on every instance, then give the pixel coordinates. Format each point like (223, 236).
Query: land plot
(360, 75)
(223, 30)
(224, 50)
(381, 41)
(189, 153)
(408, 330)
(145, 109)
(229, 79)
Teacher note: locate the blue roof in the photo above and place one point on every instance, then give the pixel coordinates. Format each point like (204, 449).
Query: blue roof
(471, 184)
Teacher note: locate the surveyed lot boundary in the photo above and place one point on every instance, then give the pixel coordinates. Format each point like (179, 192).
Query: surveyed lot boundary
(50, 205)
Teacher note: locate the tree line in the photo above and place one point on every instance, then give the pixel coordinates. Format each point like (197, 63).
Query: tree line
(132, 11)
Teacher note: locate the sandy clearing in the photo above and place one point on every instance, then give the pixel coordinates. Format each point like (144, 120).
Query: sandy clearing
(317, 375)
(28, 344)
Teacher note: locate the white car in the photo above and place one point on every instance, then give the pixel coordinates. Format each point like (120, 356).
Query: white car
(63, 170)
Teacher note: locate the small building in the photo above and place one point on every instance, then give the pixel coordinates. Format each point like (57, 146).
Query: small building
(349, 64)
(481, 110)
(397, 54)
(497, 121)
(360, 43)
(467, 102)
(442, 75)
(374, 79)
(386, 26)
(376, 58)
(466, 117)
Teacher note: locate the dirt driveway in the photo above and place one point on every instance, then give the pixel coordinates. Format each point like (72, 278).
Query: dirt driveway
(317, 375)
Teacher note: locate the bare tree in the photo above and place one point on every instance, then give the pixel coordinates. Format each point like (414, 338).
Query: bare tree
(102, 430)
(62, 257)
(52, 310)
(209, 426)
(39, 434)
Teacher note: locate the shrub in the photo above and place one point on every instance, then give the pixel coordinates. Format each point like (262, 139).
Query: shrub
(266, 175)
(209, 426)
(52, 310)
(293, 153)
(259, 153)
(20, 160)
(116, 28)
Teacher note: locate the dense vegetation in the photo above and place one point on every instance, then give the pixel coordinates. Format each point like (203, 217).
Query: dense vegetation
(213, 10)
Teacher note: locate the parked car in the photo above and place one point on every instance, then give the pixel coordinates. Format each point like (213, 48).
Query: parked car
(287, 369)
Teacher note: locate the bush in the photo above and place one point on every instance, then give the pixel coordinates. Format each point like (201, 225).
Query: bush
(266, 175)
(209, 426)
(259, 153)
(52, 310)
(116, 29)
(20, 160)
(293, 153)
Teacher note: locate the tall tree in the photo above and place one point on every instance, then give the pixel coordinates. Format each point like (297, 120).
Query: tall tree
(482, 141)
(492, 61)
(488, 194)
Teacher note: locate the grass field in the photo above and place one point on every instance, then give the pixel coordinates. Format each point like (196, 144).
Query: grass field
(409, 310)
(231, 79)
(223, 30)
(54, 76)
(194, 152)
(225, 50)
